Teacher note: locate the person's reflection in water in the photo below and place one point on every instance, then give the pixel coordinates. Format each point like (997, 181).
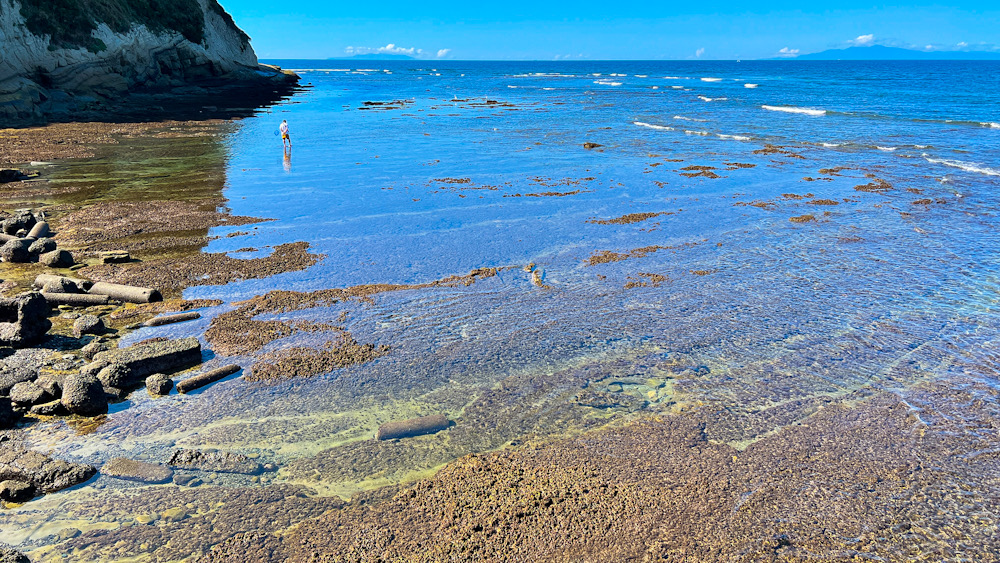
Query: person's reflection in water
(288, 160)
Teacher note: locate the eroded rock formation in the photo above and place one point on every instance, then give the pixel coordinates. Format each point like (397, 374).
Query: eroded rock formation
(78, 59)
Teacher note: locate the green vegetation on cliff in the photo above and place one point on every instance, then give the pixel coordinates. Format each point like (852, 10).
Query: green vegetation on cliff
(71, 23)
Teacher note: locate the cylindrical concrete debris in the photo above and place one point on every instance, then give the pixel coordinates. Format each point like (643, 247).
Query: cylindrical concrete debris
(41, 229)
(42, 279)
(203, 379)
(412, 427)
(127, 293)
(170, 319)
(75, 299)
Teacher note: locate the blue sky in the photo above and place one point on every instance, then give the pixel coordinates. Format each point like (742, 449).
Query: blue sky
(617, 29)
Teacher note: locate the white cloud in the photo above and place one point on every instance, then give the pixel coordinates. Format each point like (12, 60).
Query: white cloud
(963, 45)
(442, 53)
(928, 47)
(863, 40)
(699, 52)
(786, 52)
(390, 49)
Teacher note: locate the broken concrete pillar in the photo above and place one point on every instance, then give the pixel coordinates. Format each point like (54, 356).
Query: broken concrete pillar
(209, 377)
(412, 427)
(127, 293)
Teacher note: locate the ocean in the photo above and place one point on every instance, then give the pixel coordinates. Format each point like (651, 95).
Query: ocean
(758, 239)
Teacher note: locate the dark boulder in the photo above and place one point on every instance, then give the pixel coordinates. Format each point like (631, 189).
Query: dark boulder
(22, 221)
(28, 393)
(42, 245)
(16, 491)
(15, 250)
(23, 320)
(87, 324)
(11, 175)
(11, 555)
(8, 416)
(46, 474)
(57, 259)
(84, 395)
(159, 384)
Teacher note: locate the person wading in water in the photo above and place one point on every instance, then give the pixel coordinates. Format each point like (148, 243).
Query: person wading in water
(285, 138)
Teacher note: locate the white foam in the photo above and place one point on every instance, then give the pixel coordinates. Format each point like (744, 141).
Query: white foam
(991, 125)
(886, 149)
(672, 77)
(607, 83)
(366, 69)
(734, 137)
(548, 88)
(700, 133)
(677, 87)
(749, 85)
(651, 126)
(656, 87)
(968, 167)
(509, 86)
(711, 80)
(682, 118)
(612, 74)
(642, 76)
(792, 109)
(830, 145)
(707, 99)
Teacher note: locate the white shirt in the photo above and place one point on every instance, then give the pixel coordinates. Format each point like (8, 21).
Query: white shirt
(283, 128)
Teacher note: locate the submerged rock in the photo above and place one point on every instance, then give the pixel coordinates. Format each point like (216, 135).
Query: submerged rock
(221, 462)
(132, 470)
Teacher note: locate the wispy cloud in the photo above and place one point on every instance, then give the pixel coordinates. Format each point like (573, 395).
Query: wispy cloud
(786, 52)
(393, 49)
(863, 40)
(699, 52)
(962, 45)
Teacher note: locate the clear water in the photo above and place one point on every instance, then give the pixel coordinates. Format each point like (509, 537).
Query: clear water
(756, 311)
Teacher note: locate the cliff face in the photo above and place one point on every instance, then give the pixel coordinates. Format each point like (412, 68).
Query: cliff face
(50, 69)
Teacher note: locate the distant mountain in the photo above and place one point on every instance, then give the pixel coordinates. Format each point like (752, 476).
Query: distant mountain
(374, 57)
(883, 53)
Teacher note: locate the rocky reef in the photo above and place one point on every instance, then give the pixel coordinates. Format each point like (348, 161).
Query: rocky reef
(73, 60)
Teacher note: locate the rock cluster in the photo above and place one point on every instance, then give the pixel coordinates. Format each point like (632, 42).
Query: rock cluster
(26, 237)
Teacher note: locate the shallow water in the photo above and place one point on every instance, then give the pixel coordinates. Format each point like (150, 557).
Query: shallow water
(756, 316)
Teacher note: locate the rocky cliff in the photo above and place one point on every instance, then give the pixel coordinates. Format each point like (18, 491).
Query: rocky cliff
(106, 59)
